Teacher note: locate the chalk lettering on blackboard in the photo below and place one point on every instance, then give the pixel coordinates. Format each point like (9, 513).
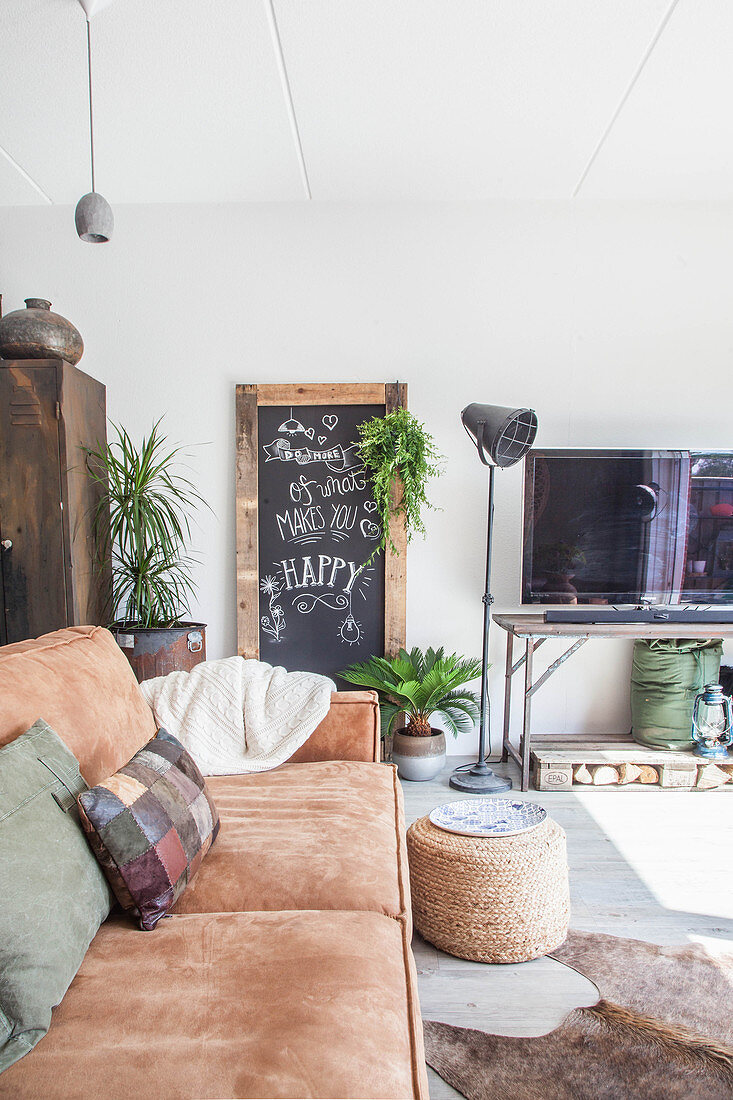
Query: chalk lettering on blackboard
(343, 486)
(301, 525)
(326, 572)
(343, 517)
(337, 458)
(300, 490)
(274, 623)
(315, 504)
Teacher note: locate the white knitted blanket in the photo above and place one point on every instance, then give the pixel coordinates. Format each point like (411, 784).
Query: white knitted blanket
(237, 715)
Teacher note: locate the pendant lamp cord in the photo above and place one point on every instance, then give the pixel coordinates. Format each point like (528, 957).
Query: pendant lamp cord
(91, 116)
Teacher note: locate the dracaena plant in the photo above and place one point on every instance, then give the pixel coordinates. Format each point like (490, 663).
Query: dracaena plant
(141, 525)
(420, 685)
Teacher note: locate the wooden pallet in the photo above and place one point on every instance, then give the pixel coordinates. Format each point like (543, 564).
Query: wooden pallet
(561, 763)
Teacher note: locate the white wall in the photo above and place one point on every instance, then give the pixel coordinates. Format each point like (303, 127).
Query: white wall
(613, 321)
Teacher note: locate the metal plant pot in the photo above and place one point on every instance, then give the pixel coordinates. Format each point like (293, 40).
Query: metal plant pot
(418, 758)
(156, 651)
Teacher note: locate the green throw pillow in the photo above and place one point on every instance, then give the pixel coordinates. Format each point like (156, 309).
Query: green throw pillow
(53, 895)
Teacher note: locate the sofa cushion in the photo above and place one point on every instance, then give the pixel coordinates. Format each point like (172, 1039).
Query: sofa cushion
(326, 835)
(53, 896)
(81, 683)
(236, 1005)
(150, 825)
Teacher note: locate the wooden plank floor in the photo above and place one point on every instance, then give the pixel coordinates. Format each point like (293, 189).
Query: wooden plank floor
(655, 866)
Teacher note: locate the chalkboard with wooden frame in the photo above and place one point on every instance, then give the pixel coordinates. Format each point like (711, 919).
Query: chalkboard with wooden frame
(306, 523)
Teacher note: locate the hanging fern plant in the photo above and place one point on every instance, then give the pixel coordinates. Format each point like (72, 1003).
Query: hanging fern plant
(400, 457)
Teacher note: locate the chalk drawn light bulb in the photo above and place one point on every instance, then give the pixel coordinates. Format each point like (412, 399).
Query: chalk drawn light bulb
(350, 631)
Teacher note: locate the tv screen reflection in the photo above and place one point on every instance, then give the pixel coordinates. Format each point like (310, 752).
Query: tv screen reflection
(621, 526)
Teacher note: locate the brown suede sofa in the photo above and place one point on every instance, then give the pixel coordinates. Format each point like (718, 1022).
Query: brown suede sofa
(286, 969)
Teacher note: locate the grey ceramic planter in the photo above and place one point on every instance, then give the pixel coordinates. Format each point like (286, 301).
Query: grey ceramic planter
(418, 758)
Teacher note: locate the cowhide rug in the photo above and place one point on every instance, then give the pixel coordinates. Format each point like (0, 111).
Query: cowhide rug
(662, 1030)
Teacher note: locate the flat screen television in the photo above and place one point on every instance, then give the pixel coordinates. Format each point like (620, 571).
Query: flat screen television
(622, 526)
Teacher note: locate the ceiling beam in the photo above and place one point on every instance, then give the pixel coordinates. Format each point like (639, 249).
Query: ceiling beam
(287, 94)
(623, 100)
(22, 172)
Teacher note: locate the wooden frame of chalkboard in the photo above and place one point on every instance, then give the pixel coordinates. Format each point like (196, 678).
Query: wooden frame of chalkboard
(315, 454)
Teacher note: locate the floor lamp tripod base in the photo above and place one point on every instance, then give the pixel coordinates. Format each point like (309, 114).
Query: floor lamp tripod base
(479, 779)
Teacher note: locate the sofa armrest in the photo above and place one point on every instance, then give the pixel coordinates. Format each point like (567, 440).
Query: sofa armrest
(350, 730)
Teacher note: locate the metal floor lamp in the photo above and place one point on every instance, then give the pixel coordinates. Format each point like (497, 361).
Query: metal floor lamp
(502, 437)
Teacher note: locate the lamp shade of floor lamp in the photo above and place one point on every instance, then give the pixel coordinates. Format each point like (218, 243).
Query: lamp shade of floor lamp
(502, 437)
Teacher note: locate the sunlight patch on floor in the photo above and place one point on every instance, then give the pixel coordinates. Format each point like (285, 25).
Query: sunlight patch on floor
(677, 843)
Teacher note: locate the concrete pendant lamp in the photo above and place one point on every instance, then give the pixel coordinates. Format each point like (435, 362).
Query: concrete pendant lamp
(93, 216)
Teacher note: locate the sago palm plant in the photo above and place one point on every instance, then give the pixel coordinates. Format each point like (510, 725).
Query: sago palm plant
(420, 685)
(141, 523)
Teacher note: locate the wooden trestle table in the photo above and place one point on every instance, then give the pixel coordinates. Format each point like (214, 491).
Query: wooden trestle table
(532, 628)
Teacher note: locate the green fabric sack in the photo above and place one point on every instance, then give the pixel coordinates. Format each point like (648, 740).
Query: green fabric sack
(666, 675)
(53, 894)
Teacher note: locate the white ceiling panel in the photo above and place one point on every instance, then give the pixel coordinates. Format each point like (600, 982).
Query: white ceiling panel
(674, 137)
(43, 67)
(393, 99)
(188, 101)
(433, 99)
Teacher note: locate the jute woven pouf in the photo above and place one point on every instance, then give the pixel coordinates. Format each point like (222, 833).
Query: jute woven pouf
(498, 900)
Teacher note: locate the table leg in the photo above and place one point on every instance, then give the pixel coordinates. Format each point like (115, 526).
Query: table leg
(524, 747)
(507, 695)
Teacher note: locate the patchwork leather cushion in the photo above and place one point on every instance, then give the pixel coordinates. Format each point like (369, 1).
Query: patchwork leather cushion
(150, 825)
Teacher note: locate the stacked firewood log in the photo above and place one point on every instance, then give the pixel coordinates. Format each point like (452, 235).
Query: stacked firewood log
(709, 775)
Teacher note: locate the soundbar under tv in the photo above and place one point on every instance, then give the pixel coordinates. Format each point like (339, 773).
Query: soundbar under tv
(653, 615)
